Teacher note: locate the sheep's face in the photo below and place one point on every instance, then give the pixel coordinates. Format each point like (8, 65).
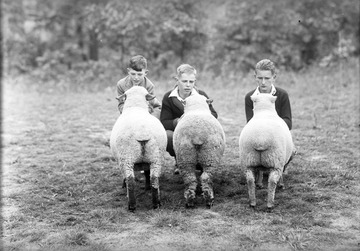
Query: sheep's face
(196, 102)
(263, 100)
(138, 91)
(135, 96)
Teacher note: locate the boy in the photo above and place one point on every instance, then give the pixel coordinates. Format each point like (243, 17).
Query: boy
(265, 77)
(173, 102)
(137, 71)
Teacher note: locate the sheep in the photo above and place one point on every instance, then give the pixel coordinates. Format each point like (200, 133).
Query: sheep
(199, 143)
(138, 142)
(265, 144)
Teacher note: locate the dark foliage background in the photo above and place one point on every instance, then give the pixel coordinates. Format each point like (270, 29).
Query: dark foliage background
(82, 41)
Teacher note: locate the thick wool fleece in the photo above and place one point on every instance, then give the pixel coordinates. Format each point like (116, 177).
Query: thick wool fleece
(266, 143)
(138, 137)
(199, 141)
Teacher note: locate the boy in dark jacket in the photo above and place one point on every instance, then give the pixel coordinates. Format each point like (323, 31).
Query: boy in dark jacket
(265, 76)
(173, 102)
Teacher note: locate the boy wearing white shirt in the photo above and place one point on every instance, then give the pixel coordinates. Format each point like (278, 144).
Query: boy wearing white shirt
(173, 101)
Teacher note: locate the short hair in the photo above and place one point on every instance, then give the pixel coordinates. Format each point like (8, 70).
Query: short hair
(185, 68)
(265, 65)
(138, 63)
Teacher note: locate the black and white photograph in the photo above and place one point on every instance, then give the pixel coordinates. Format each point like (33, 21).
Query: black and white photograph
(180, 125)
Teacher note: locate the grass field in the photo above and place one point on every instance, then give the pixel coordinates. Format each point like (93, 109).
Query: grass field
(61, 189)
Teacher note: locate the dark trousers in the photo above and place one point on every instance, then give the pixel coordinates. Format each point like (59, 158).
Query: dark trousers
(170, 146)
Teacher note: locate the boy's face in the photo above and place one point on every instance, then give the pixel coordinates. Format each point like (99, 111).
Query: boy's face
(137, 77)
(186, 83)
(264, 79)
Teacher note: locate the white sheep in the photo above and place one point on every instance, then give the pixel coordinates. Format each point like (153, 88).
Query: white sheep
(265, 144)
(138, 139)
(199, 143)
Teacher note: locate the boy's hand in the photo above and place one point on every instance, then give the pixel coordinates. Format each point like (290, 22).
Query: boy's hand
(176, 121)
(156, 112)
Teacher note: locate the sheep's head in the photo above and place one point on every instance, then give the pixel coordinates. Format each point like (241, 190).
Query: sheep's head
(263, 101)
(136, 96)
(197, 102)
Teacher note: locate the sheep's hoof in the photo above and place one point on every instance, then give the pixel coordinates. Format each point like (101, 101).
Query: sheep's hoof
(190, 204)
(156, 206)
(252, 205)
(281, 187)
(209, 204)
(132, 208)
(259, 186)
(269, 209)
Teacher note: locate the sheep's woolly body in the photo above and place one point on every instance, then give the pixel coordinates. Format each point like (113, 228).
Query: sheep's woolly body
(265, 143)
(134, 127)
(199, 140)
(138, 137)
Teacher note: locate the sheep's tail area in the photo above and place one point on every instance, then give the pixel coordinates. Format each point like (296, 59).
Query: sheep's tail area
(261, 144)
(142, 138)
(260, 147)
(143, 143)
(197, 142)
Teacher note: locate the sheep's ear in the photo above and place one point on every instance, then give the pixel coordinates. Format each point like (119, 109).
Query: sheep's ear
(209, 101)
(273, 99)
(149, 97)
(121, 97)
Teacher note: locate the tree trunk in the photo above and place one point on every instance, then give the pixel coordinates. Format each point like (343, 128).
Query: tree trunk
(80, 36)
(93, 46)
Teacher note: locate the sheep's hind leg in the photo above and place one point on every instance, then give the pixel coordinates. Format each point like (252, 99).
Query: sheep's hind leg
(250, 179)
(155, 187)
(274, 178)
(207, 189)
(281, 185)
(190, 188)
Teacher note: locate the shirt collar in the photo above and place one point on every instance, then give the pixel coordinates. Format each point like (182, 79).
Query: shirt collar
(175, 93)
(272, 91)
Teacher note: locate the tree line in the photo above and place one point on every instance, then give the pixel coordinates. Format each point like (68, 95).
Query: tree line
(215, 36)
